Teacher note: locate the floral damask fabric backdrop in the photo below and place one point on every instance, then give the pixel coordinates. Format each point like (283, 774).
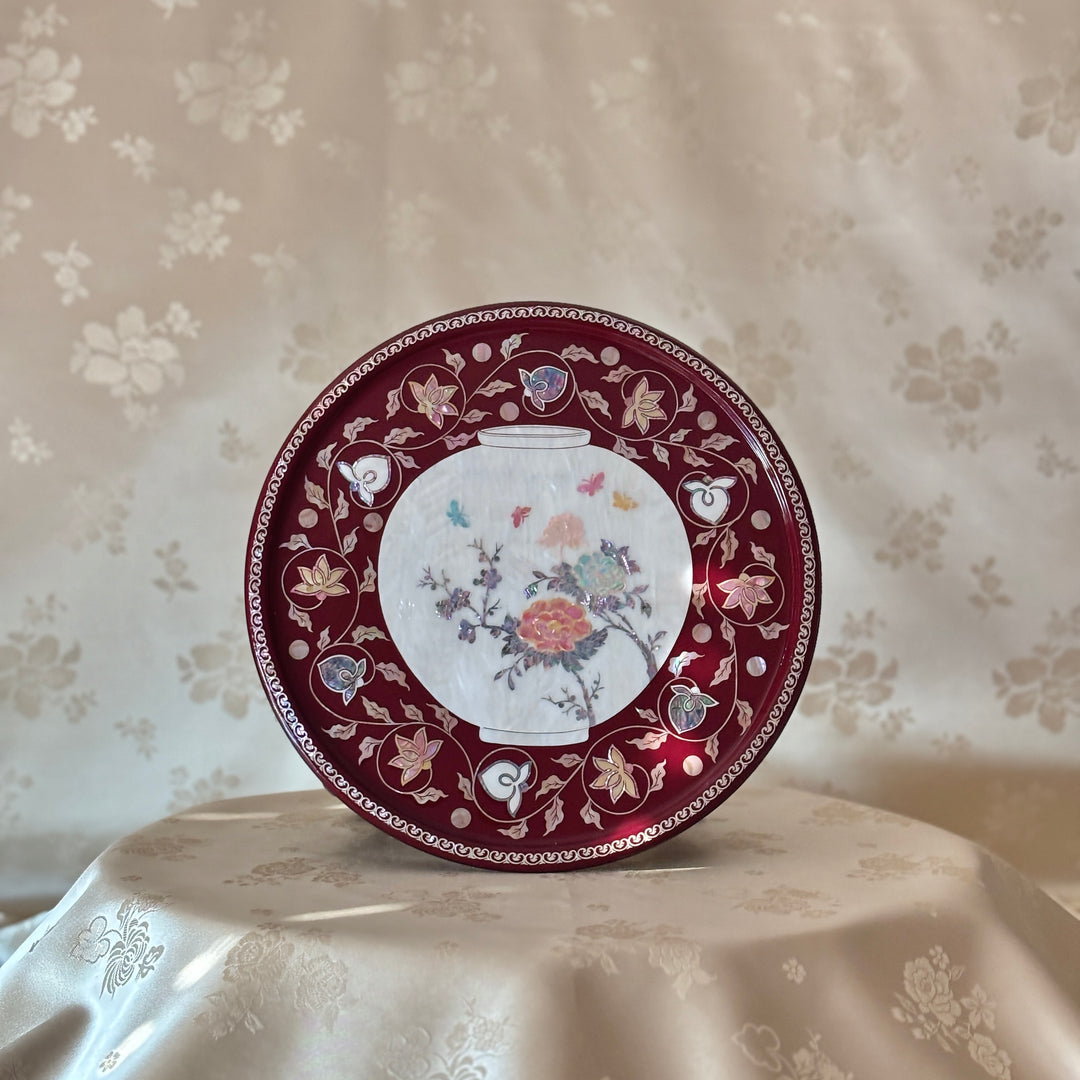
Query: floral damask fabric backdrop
(864, 212)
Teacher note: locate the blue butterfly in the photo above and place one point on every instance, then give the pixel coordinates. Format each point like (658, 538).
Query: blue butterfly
(457, 515)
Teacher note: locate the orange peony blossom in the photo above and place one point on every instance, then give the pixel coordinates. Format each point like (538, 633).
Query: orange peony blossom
(554, 626)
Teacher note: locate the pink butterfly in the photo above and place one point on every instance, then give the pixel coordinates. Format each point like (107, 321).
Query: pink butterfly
(593, 484)
(520, 514)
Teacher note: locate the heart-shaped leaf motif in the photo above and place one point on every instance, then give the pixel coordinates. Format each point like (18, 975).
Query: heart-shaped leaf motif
(710, 500)
(342, 674)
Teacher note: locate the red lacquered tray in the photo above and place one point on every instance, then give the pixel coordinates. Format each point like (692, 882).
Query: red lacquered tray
(532, 586)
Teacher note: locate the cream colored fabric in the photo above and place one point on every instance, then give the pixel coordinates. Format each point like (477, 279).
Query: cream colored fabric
(864, 210)
(789, 935)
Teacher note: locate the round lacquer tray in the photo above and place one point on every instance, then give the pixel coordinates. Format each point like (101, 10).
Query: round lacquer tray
(532, 586)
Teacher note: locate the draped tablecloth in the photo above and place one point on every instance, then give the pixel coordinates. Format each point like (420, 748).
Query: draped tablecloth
(787, 935)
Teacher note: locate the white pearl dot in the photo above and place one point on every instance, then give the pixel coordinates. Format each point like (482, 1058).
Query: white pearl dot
(460, 818)
(299, 649)
(760, 519)
(692, 765)
(756, 665)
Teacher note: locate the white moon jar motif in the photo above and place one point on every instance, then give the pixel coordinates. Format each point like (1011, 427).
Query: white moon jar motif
(535, 584)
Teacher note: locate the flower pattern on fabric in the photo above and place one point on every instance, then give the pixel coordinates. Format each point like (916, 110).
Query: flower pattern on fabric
(891, 866)
(956, 378)
(448, 88)
(411, 224)
(187, 792)
(1051, 462)
(621, 96)
(1045, 682)
(991, 592)
(267, 972)
(36, 672)
(173, 578)
(233, 447)
(793, 970)
(848, 681)
(661, 946)
(143, 732)
(930, 988)
(36, 84)
(1020, 241)
(170, 6)
(125, 948)
(761, 1044)
(140, 152)
(473, 1045)
(281, 271)
(97, 515)
(860, 105)
(240, 90)
(25, 449)
(788, 900)
(815, 242)
(312, 354)
(1051, 105)
(68, 265)
(196, 227)
(220, 670)
(11, 205)
(469, 904)
(765, 369)
(298, 868)
(134, 358)
(894, 296)
(933, 1011)
(916, 535)
(169, 848)
(12, 783)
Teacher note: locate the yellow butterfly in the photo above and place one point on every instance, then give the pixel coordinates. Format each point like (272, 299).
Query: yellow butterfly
(622, 501)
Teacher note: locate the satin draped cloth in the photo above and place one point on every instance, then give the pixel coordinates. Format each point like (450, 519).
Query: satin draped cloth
(788, 935)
